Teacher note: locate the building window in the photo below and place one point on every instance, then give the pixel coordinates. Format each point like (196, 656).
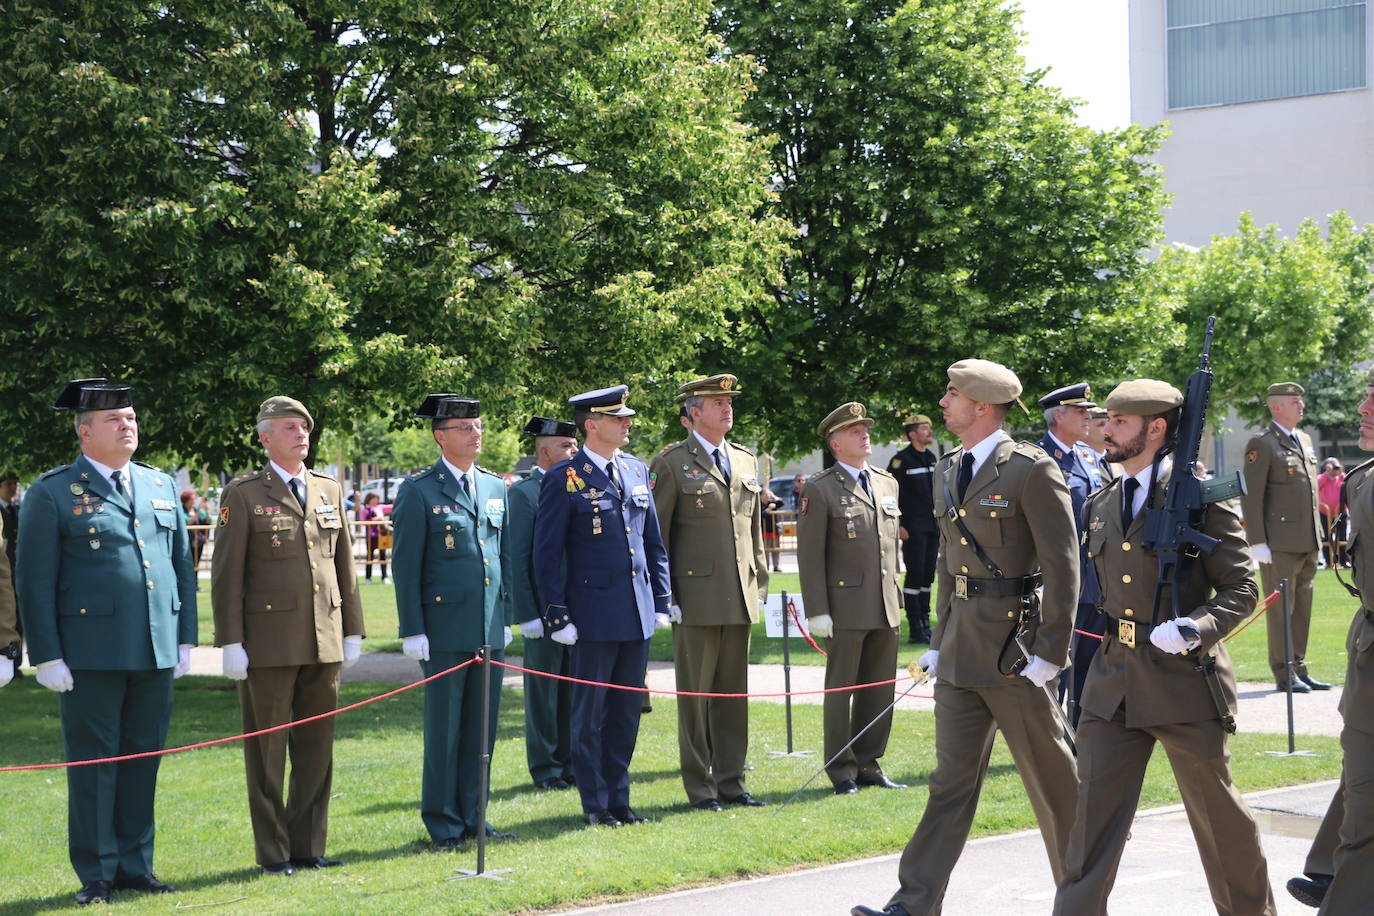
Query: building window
(1226, 51)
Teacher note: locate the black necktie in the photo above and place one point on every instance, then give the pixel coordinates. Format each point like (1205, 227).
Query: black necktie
(720, 464)
(863, 482)
(1128, 507)
(965, 474)
(467, 487)
(296, 491)
(117, 478)
(610, 475)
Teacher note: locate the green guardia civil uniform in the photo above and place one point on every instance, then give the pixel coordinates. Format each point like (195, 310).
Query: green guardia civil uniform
(548, 702)
(108, 586)
(448, 566)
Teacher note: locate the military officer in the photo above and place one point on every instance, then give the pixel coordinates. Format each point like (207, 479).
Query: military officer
(602, 573)
(707, 493)
(1345, 840)
(847, 542)
(108, 594)
(913, 468)
(449, 568)
(9, 620)
(1145, 686)
(1067, 419)
(288, 618)
(1095, 439)
(548, 702)
(1283, 526)
(1006, 529)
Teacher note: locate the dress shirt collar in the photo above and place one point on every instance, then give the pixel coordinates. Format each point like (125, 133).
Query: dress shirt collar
(287, 477)
(599, 460)
(106, 471)
(853, 471)
(457, 474)
(711, 449)
(1143, 478)
(1066, 449)
(1285, 430)
(983, 450)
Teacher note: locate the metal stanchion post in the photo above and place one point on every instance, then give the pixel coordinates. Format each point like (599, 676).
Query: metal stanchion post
(787, 678)
(484, 659)
(1288, 670)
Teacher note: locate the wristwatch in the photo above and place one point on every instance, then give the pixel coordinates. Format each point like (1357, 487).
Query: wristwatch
(11, 652)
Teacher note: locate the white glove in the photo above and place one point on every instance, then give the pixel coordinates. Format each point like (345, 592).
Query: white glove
(353, 648)
(183, 662)
(674, 613)
(566, 636)
(929, 660)
(234, 661)
(532, 629)
(1167, 638)
(6, 670)
(662, 621)
(55, 675)
(416, 647)
(1038, 671)
(506, 635)
(821, 625)
(1262, 553)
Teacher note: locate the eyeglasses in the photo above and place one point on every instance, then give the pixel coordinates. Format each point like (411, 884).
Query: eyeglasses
(463, 427)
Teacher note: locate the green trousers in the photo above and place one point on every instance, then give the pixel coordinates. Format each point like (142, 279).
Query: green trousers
(548, 705)
(451, 779)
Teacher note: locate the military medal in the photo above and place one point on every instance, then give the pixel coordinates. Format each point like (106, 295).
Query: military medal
(276, 539)
(77, 489)
(257, 510)
(700, 504)
(576, 483)
(95, 543)
(448, 542)
(849, 527)
(1095, 524)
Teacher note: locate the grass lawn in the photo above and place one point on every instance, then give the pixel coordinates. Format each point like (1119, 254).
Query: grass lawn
(205, 842)
(1332, 610)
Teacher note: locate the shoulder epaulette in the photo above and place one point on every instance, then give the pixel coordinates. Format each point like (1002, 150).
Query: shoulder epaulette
(1029, 450)
(488, 473)
(740, 448)
(883, 471)
(320, 474)
(56, 470)
(825, 473)
(245, 477)
(150, 467)
(1362, 466)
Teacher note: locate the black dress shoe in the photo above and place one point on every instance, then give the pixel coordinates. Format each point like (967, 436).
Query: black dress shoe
(1310, 890)
(1313, 683)
(708, 804)
(315, 862)
(603, 819)
(492, 834)
(847, 787)
(147, 883)
(449, 844)
(279, 868)
(892, 909)
(1298, 686)
(627, 815)
(745, 799)
(881, 781)
(94, 892)
(556, 783)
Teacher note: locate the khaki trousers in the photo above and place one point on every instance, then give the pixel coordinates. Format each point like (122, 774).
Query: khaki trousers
(1321, 858)
(858, 657)
(1353, 888)
(966, 721)
(712, 732)
(1300, 569)
(1111, 768)
(271, 696)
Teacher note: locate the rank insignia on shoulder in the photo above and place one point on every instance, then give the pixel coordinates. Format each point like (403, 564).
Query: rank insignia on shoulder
(223, 516)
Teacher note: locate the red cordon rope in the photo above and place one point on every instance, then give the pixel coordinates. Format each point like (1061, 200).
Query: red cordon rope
(262, 731)
(792, 608)
(1262, 607)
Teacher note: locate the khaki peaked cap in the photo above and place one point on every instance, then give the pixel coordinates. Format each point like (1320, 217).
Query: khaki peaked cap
(1285, 388)
(985, 381)
(842, 416)
(1144, 397)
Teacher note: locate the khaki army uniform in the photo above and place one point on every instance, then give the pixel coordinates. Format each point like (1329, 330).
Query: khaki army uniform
(1017, 508)
(1281, 510)
(284, 586)
(713, 532)
(1344, 845)
(1137, 695)
(847, 547)
(9, 613)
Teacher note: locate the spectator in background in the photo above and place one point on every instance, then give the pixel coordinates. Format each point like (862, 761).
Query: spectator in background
(798, 483)
(195, 515)
(1329, 484)
(771, 541)
(371, 511)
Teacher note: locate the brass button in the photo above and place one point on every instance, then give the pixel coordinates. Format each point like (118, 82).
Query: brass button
(1090, 553)
(1130, 612)
(627, 529)
(91, 530)
(141, 544)
(962, 513)
(487, 581)
(317, 588)
(83, 610)
(842, 582)
(992, 514)
(150, 585)
(1126, 578)
(147, 564)
(1011, 614)
(632, 551)
(486, 562)
(481, 543)
(314, 565)
(448, 527)
(1126, 545)
(963, 569)
(963, 541)
(137, 523)
(268, 607)
(438, 598)
(689, 572)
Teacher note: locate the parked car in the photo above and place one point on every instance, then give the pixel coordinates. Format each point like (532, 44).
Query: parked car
(384, 487)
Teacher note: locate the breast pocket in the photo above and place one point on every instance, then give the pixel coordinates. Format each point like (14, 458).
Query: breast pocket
(450, 535)
(330, 526)
(985, 520)
(701, 499)
(277, 537)
(166, 526)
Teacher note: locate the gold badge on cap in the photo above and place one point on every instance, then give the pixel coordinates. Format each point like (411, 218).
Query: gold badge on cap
(856, 409)
(727, 383)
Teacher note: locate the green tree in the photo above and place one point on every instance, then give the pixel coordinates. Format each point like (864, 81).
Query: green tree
(948, 205)
(357, 203)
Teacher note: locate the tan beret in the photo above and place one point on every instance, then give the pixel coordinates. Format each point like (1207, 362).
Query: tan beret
(915, 419)
(1286, 388)
(1097, 413)
(279, 406)
(723, 385)
(981, 380)
(842, 416)
(1144, 397)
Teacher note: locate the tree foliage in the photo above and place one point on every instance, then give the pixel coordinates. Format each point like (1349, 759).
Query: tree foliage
(948, 204)
(356, 203)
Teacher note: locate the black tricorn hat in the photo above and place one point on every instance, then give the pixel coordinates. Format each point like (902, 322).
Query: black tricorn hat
(94, 394)
(449, 407)
(543, 426)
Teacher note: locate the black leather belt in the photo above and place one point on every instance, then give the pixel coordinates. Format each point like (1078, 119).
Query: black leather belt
(969, 587)
(1128, 632)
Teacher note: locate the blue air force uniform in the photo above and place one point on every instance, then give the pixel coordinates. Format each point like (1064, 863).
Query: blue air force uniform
(449, 569)
(600, 564)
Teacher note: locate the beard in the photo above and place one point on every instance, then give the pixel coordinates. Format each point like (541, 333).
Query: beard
(1125, 451)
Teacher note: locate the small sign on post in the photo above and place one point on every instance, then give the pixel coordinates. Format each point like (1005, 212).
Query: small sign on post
(772, 616)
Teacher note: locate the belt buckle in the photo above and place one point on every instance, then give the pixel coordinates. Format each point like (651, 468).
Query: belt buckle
(961, 587)
(1125, 633)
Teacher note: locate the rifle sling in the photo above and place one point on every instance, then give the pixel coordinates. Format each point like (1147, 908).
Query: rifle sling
(953, 511)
